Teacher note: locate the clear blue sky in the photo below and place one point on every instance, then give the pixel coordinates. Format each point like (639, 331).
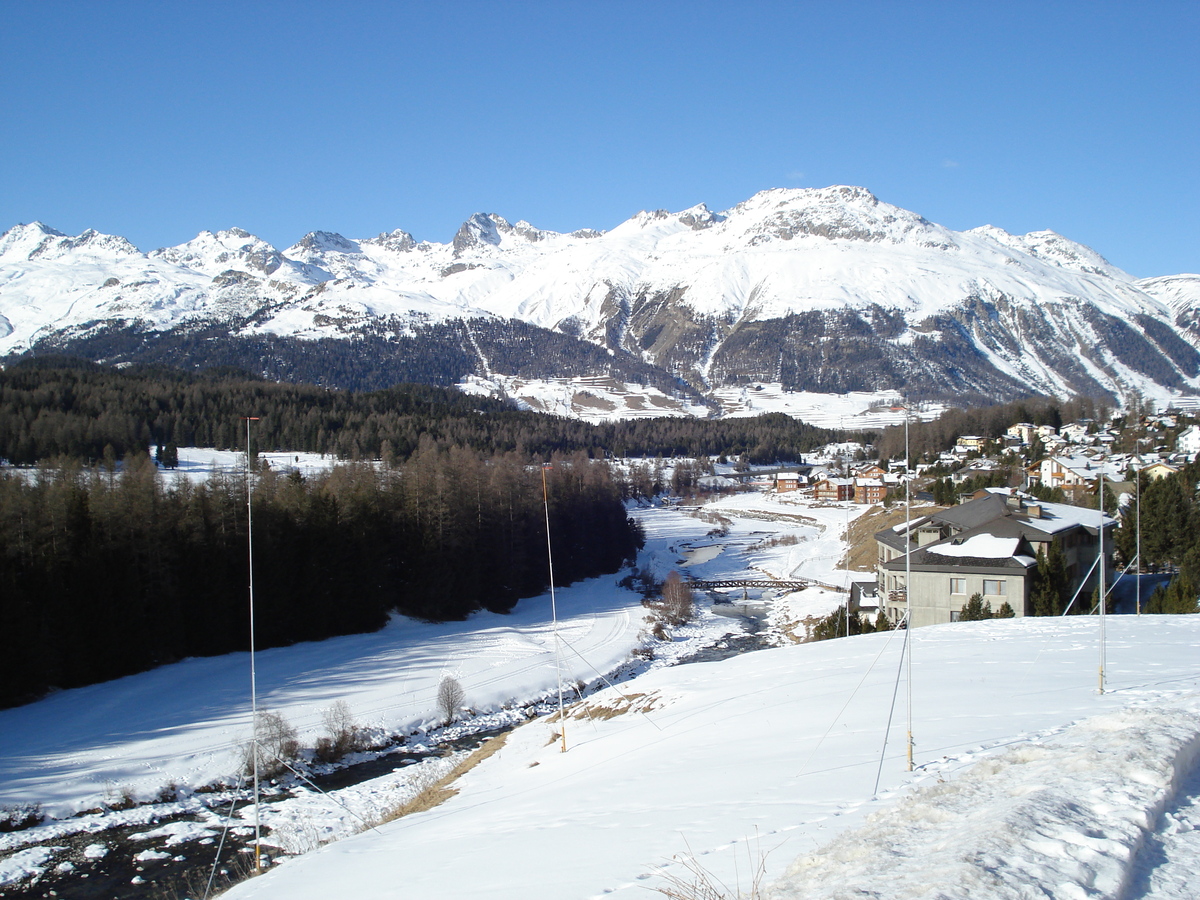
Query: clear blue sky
(156, 120)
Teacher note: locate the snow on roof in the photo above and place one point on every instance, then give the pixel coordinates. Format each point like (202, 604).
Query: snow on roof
(981, 546)
(1058, 517)
(916, 523)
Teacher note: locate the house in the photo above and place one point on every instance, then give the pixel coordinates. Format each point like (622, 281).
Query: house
(1076, 432)
(1157, 470)
(870, 471)
(1189, 440)
(968, 442)
(1064, 471)
(869, 490)
(788, 481)
(864, 595)
(829, 488)
(988, 546)
(1023, 431)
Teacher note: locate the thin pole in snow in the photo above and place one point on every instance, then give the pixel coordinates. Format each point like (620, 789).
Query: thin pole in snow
(562, 719)
(253, 677)
(1103, 600)
(1138, 475)
(908, 580)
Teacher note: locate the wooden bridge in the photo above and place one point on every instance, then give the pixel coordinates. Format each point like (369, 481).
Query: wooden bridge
(793, 585)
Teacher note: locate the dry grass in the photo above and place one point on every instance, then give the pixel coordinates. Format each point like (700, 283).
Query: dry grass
(697, 883)
(863, 551)
(441, 790)
(610, 708)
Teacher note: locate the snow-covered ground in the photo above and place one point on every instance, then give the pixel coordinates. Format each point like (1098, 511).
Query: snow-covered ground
(598, 399)
(1028, 782)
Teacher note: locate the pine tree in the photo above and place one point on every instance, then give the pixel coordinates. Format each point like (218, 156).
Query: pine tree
(1049, 582)
(975, 609)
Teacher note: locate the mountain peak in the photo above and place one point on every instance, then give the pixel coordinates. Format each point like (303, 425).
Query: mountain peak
(39, 241)
(325, 242)
(700, 217)
(480, 229)
(22, 240)
(398, 241)
(838, 212)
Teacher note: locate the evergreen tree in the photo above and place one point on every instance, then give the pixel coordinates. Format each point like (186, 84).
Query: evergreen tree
(1048, 596)
(1179, 596)
(975, 609)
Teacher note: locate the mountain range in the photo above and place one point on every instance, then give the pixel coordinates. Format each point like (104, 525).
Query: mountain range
(827, 290)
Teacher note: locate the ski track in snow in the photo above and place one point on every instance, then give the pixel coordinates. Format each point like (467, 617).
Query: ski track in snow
(1167, 866)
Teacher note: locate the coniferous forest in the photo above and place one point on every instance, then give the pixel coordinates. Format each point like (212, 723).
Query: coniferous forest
(107, 568)
(108, 572)
(56, 407)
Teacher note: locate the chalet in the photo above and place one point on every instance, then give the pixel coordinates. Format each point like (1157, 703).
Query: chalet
(1065, 471)
(870, 471)
(988, 546)
(834, 489)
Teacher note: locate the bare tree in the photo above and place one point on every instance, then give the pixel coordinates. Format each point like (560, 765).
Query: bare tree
(277, 745)
(676, 600)
(450, 697)
(343, 735)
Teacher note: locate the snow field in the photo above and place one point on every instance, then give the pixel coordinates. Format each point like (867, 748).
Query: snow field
(779, 749)
(772, 754)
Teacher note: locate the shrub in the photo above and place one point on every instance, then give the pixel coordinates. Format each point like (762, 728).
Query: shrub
(21, 816)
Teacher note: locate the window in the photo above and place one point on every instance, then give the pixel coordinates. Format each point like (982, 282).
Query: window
(995, 588)
(958, 585)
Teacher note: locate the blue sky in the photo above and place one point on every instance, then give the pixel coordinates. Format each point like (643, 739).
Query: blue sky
(158, 120)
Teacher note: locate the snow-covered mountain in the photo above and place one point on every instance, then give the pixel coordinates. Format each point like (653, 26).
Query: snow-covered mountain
(816, 289)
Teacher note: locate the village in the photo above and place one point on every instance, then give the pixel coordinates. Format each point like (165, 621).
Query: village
(1008, 526)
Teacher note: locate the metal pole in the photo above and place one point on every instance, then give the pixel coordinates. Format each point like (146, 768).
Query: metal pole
(562, 719)
(908, 579)
(1103, 604)
(1138, 571)
(253, 676)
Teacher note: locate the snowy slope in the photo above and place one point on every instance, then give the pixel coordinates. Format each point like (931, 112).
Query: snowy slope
(777, 752)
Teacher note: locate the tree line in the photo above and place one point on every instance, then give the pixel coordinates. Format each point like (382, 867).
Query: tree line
(109, 571)
(57, 407)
